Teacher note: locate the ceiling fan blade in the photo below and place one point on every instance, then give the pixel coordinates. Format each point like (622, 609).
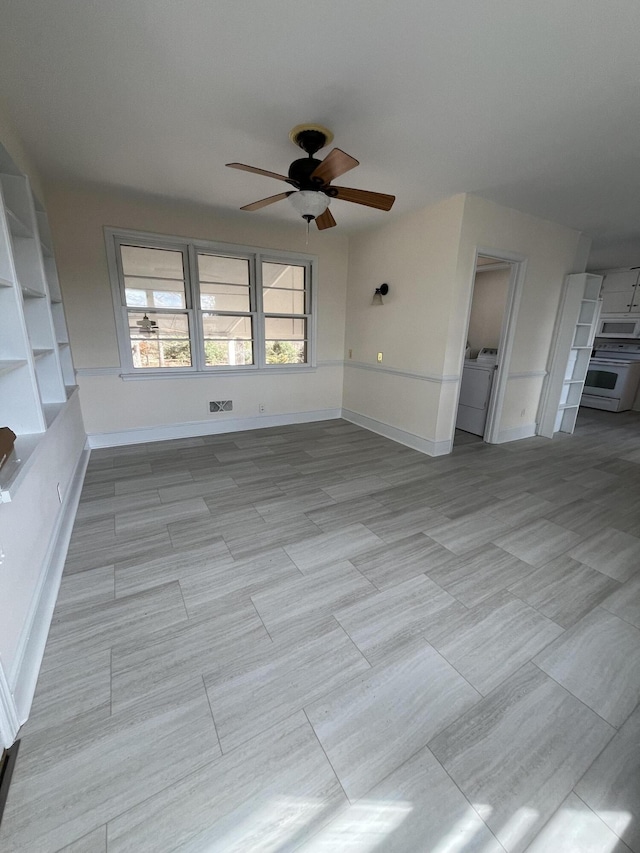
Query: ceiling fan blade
(336, 163)
(325, 220)
(381, 201)
(257, 171)
(256, 205)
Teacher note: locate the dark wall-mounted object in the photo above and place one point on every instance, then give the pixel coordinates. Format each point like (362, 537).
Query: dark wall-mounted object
(7, 440)
(379, 293)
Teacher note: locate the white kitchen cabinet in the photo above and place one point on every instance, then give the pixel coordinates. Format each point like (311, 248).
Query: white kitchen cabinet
(621, 292)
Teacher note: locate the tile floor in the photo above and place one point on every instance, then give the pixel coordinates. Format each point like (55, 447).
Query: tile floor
(311, 638)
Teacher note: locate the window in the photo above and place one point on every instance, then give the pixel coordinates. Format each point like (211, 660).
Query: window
(196, 307)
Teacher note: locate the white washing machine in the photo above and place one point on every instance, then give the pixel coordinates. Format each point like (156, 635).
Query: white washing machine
(475, 390)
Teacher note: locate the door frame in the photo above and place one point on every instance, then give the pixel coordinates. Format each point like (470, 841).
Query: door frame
(518, 264)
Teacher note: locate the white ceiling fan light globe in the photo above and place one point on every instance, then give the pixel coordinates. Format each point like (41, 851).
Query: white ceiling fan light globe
(309, 203)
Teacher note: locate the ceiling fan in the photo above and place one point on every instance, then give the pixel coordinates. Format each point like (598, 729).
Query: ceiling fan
(312, 178)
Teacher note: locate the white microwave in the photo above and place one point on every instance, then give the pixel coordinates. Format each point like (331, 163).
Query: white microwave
(618, 326)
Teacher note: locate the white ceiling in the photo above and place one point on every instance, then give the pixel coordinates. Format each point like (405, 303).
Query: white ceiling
(535, 105)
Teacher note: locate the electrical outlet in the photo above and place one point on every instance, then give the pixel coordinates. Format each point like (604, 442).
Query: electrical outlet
(379, 356)
(261, 408)
(350, 353)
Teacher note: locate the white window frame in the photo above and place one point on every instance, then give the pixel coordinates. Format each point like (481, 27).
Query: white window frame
(190, 248)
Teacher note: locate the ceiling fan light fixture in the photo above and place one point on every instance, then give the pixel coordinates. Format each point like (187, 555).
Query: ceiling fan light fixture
(309, 203)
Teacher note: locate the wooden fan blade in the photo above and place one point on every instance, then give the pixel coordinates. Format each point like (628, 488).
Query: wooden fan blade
(336, 163)
(381, 201)
(256, 205)
(325, 220)
(257, 171)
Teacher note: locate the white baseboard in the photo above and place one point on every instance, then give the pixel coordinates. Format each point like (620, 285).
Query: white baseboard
(24, 672)
(424, 445)
(516, 433)
(193, 429)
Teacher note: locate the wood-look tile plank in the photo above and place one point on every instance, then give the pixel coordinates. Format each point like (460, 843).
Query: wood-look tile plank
(268, 684)
(159, 516)
(611, 786)
(382, 624)
(492, 641)
(598, 660)
(537, 542)
(270, 794)
(371, 725)
(325, 548)
(625, 601)
(415, 808)
(132, 577)
(98, 774)
(129, 547)
(611, 552)
(101, 626)
(564, 590)
(85, 589)
(393, 563)
(575, 828)
(93, 842)
(518, 753)
(465, 534)
(241, 578)
(303, 605)
(185, 651)
(480, 574)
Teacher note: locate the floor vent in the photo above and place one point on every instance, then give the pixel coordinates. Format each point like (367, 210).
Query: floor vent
(221, 406)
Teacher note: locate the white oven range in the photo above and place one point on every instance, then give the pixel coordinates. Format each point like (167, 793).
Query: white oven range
(613, 376)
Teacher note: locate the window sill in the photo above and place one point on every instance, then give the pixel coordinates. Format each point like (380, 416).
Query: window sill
(218, 374)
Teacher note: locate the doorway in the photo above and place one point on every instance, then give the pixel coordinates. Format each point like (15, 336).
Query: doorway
(497, 282)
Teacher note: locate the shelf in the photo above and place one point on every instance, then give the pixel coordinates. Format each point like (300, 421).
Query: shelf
(7, 365)
(573, 381)
(40, 353)
(51, 411)
(17, 227)
(63, 343)
(4, 282)
(46, 250)
(55, 300)
(29, 293)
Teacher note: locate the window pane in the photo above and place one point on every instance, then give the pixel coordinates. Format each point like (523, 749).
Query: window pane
(223, 270)
(164, 345)
(224, 297)
(155, 263)
(154, 292)
(283, 301)
(226, 327)
(285, 352)
(282, 275)
(228, 352)
(284, 328)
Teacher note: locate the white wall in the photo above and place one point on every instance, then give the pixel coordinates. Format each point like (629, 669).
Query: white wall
(416, 255)
(552, 252)
(111, 405)
(428, 260)
(490, 292)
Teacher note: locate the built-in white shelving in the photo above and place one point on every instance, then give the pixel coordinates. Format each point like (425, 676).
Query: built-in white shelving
(36, 369)
(575, 330)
